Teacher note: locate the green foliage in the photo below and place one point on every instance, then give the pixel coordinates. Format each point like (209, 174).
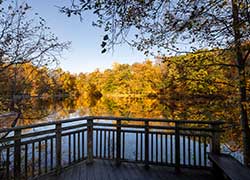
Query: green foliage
(200, 74)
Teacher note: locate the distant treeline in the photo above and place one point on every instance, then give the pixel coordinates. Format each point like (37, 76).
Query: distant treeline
(204, 74)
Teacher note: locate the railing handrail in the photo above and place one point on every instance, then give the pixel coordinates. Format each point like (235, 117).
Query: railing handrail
(156, 120)
(209, 122)
(44, 124)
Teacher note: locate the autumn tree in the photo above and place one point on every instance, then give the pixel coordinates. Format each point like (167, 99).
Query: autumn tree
(25, 38)
(147, 78)
(198, 75)
(165, 24)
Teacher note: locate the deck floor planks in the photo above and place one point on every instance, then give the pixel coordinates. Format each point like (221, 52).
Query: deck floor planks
(107, 170)
(230, 166)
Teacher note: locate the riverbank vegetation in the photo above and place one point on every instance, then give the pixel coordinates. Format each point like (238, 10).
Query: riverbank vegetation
(192, 79)
(205, 89)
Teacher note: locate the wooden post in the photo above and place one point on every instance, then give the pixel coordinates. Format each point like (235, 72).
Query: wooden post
(58, 147)
(215, 148)
(177, 147)
(146, 153)
(90, 141)
(118, 142)
(17, 154)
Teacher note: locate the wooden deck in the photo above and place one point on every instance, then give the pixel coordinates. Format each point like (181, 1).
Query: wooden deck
(107, 170)
(226, 165)
(35, 150)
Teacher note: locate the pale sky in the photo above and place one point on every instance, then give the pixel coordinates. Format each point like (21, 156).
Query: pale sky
(85, 52)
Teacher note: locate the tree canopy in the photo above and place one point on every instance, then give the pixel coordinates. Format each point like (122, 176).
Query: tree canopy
(26, 44)
(25, 38)
(166, 24)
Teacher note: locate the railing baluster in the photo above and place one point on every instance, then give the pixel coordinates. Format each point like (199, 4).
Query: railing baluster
(156, 147)
(33, 159)
(51, 153)
(83, 142)
(105, 143)
(161, 149)
(136, 146)
(90, 140)
(100, 143)
(8, 163)
(118, 142)
(26, 161)
(74, 146)
(46, 155)
(171, 148)
(113, 143)
(177, 146)
(39, 157)
(17, 154)
(123, 145)
(58, 147)
(78, 146)
(109, 144)
(97, 144)
(69, 147)
(166, 148)
(199, 140)
(152, 147)
(205, 151)
(146, 153)
(184, 149)
(194, 147)
(141, 146)
(189, 151)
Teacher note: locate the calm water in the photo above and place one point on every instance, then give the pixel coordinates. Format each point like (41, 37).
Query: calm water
(37, 111)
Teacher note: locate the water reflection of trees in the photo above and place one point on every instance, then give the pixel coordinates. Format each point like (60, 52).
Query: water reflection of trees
(189, 108)
(205, 109)
(47, 109)
(50, 109)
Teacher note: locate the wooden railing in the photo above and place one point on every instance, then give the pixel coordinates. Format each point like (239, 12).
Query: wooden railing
(33, 150)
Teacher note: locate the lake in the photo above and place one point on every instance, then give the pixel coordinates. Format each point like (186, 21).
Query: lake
(46, 110)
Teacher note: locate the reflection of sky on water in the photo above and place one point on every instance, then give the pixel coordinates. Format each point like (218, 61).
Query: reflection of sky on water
(130, 142)
(142, 107)
(165, 154)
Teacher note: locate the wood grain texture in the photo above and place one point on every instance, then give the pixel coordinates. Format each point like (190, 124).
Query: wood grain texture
(230, 167)
(107, 170)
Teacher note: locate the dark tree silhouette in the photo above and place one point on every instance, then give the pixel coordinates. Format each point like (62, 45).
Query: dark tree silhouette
(165, 24)
(25, 39)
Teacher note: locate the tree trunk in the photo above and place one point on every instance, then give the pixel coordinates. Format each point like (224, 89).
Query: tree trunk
(244, 121)
(242, 83)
